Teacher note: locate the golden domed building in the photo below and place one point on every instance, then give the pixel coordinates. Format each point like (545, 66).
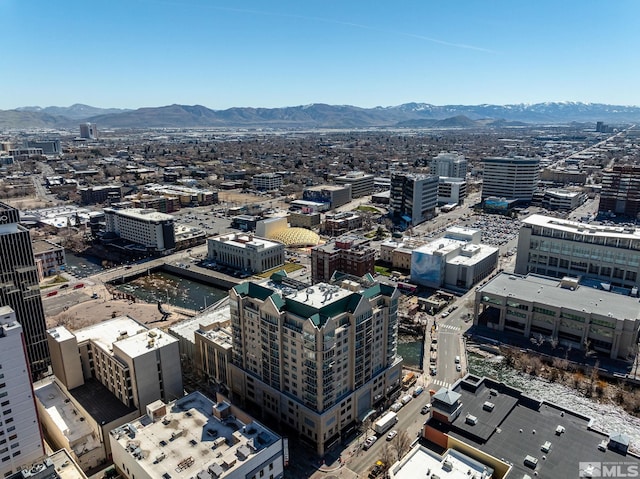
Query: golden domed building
(296, 237)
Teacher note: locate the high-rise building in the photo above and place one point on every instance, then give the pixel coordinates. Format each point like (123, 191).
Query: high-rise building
(19, 287)
(153, 230)
(21, 441)
(88, 131)
(317, 360)
(452, 165)
(510, 178)
(413, 197)
(620, 193)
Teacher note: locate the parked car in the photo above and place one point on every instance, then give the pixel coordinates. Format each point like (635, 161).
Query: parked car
(392, 434)
(458, 368)
(369, 442)
(425, 409)
(64, 286)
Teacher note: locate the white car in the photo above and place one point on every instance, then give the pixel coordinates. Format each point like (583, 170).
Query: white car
(391, 435)
(369, 442)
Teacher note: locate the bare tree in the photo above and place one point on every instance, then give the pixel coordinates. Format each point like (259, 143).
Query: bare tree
(402, 443)
(387, 456)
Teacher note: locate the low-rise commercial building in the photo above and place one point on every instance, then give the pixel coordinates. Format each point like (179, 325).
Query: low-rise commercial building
(517, 436)
(186, 195)
(92, 195)
(245, 252)
(304, 220)
(80, 421)
(267, 181)
(50, 258)
(332, 195)
(194, 437)
(348, 254)
(458, 260)
(562, 200)
(581, 317)
(361, 183)
(336, 224)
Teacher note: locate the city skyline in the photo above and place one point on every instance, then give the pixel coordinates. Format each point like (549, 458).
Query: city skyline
(152, 53)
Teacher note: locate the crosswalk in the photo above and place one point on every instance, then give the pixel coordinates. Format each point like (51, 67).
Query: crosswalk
(441, 383)
(450, 327)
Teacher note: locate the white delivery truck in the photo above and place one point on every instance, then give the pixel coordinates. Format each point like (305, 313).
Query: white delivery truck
(385, 423)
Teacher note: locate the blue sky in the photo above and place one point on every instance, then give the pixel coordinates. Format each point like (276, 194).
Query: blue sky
(220, 54)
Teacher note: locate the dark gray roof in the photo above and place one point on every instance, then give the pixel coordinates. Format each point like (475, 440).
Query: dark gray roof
(507, 432)
(99, 402)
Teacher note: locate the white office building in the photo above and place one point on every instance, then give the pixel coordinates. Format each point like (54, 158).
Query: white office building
(556, 247)
(511, 178)
(149, 228)
(267, 181)
(563, 200)
(138, 365)
(361, 183)
(21, 442)
(192, 437)
(452, 165)
(245, 252)
(451, 190)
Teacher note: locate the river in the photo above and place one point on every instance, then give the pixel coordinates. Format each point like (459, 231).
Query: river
(168, 288)
(607, 417)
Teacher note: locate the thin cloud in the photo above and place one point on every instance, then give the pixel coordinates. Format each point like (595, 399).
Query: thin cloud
(348, 24)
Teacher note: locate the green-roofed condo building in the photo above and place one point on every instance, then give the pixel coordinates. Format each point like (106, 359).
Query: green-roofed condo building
(316, 359)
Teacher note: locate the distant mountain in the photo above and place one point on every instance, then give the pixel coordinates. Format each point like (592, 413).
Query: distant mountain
(77, 111)
(409, 115)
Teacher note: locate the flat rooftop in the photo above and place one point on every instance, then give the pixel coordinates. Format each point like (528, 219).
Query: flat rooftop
(451, 465)
(99, 402)
(548, 291)
(131, 337)
(476, 253)
(142, 214)
(442, 246)
(64, 415)
(242, 240)
(189, 438)
(519, 426)
(42, 246)
(319, 295)
(186, 329)
(584, 228)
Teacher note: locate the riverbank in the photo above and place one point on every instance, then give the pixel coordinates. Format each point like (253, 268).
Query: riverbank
(608, 416)
(104, 307)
